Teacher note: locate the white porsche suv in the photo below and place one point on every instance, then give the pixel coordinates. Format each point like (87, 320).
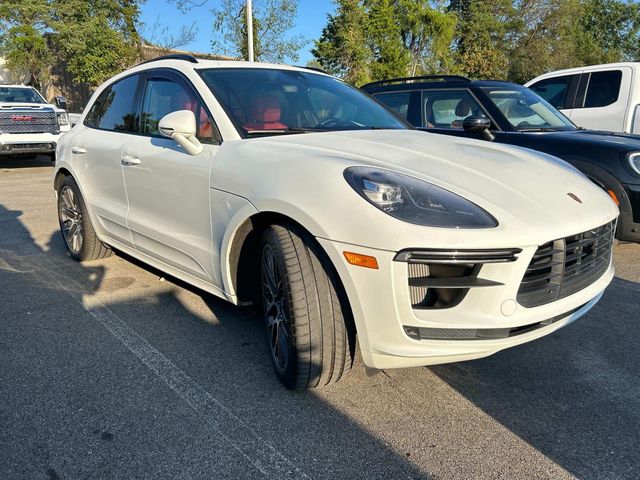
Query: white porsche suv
(289, 188)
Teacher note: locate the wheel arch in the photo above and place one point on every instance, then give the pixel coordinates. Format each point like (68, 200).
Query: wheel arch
(242, 259)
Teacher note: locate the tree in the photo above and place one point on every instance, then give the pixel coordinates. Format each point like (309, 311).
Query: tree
(342, 49)
(23, 45)
(272, 21)
(484, 32)
(390, 57)
(97, 38)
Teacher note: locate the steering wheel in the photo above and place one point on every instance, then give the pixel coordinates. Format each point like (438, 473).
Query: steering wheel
(524, 124)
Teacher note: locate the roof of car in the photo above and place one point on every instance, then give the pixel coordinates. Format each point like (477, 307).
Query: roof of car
(202, 63)
(435, 81)
(2, 85)
(586, 68)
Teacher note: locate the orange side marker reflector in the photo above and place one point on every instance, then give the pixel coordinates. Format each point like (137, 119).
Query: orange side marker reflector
(360, 260)
(613, 196)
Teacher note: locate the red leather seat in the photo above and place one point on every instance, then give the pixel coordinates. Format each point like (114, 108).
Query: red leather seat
(265, 114)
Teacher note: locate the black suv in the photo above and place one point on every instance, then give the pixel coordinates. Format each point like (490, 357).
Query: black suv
(509, 113)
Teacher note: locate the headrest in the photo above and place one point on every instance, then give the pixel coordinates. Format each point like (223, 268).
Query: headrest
(463, 108)
(265, 109)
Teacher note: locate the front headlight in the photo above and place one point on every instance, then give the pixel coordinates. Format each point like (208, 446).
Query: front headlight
(634, 161)
(416, 201)
(63, 119)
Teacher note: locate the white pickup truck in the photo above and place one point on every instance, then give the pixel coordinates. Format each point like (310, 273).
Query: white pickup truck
(597, 97)
(29, 125)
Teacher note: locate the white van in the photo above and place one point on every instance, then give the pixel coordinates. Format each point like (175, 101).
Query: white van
(598, 97)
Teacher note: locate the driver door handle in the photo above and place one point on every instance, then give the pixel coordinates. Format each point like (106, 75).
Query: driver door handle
(78, 150)
(128, 161)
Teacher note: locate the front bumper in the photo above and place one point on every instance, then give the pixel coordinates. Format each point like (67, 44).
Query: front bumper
(28, 143)
(382, 310)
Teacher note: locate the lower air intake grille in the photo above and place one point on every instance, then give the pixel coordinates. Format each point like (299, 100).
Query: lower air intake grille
(563, 267)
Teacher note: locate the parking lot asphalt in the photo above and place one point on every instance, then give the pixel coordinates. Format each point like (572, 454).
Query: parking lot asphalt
(108, 370)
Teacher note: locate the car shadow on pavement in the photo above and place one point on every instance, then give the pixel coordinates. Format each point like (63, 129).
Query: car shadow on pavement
(72, 388)
(571, 395)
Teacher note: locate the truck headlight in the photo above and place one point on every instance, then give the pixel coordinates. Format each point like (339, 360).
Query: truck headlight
(416, 201)
(63, 119)
(634, 162)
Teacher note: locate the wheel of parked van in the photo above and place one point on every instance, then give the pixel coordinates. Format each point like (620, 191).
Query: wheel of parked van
(305, 319)
(76, 228)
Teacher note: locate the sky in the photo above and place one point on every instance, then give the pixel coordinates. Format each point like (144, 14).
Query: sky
(312, 17)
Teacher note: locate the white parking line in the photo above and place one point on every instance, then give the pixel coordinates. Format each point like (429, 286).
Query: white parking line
(256, 450)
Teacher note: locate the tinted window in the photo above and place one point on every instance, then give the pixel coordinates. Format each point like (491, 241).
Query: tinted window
(116, 109)
(267, 101)
(448, 108)
(603, 89)
(554, 90)
(163, 96)
(397, 101)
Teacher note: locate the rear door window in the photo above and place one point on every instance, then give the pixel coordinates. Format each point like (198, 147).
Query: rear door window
(115, 107)
(603, 89)
(554, 90)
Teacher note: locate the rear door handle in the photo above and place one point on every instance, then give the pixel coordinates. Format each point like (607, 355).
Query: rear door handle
(128, 161)
(78, 150)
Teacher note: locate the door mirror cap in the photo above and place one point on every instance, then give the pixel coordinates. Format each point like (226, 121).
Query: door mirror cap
(61, 102)
(180, 126)
(478, 124)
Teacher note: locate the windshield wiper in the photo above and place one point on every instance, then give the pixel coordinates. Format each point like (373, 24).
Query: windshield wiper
(542, 129)
(284, 131)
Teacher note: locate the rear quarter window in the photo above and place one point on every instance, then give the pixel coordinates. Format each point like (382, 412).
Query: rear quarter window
(603, 89)
(114, 109)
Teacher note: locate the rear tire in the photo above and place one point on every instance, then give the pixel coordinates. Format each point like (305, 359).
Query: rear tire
(306, 328)
(75, 225)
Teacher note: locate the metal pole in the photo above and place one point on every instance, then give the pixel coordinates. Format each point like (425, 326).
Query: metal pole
(250, 30)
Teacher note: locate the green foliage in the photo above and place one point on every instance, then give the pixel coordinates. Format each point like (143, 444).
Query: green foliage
(272, 20)
(22, 42)
(343, 48)
(375, 39)
(97, 38)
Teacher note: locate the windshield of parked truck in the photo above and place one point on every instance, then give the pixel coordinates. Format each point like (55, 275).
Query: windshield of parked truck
(267, 101)
(526, 110)
(20, 95)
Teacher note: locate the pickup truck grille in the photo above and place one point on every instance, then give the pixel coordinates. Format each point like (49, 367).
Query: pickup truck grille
(28, 121)
(563, 267)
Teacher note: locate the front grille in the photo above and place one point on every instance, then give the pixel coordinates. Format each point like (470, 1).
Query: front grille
(26, 120)
(563, 267)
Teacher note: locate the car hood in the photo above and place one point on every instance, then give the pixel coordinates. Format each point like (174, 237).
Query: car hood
(28, 106)
(515, 185)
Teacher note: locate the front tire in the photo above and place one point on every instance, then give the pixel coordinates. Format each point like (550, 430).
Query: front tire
(75, 225)
(306, 328)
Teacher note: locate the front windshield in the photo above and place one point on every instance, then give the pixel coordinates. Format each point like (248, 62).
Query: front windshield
(264, 101)
(20, 95)
(526, 110)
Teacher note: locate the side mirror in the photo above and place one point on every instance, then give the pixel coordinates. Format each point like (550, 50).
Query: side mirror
(478, 124)
(180, 126)
(61, 102)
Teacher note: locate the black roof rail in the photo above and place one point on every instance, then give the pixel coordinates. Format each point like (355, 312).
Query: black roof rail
(315, 69)
(449, 78)
(173, 56)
